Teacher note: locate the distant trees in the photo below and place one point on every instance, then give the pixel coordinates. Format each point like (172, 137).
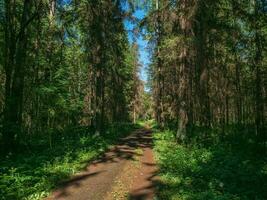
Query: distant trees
(209, 64)
(64, 63)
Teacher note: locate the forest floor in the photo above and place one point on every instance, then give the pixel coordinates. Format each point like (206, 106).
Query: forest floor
(125, 171)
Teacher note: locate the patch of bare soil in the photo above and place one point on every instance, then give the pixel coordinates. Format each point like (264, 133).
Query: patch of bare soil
(127, 171)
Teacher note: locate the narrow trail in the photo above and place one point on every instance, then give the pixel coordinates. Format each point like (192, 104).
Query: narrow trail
(126, 171)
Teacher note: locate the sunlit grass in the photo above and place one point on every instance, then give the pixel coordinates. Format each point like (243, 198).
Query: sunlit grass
(33, 174)
(202, 172)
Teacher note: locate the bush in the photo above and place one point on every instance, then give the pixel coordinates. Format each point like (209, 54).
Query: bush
(198, 172)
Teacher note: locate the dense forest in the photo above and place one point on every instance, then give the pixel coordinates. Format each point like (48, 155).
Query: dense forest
(209, 64)
(65, 63)
(70, 87)
(208, 79)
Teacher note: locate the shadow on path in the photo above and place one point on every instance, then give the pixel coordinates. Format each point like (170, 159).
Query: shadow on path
(97, 179)
(145, 184)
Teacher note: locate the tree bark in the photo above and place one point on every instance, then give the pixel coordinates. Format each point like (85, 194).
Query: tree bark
(15, 79)
(186, 28)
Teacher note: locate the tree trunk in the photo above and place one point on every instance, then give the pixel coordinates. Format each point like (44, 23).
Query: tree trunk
(185, 24)
(15, 81)
(259, 119)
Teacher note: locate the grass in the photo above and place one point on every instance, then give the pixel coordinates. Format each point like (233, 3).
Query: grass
(34, 172)
(223, 170)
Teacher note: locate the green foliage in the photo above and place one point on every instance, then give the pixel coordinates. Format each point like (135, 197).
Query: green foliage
(32, 174)
(78, 66)
(208, 172)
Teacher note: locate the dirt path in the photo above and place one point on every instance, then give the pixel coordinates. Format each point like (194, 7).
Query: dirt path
(127, 171)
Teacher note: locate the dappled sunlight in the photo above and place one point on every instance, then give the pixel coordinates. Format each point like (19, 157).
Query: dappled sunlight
(214, 172)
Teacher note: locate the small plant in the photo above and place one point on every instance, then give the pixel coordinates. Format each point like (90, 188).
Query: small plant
(32, 175)
(214, 171)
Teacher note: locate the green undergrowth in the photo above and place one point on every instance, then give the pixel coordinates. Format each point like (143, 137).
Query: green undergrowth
(150, 123)
(36, 170)
(222, 170)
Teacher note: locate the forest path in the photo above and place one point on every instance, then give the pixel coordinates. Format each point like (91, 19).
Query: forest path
(126, 171)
